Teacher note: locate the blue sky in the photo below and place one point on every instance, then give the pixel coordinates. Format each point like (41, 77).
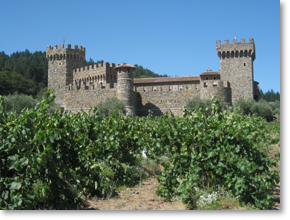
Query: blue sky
(177, 38)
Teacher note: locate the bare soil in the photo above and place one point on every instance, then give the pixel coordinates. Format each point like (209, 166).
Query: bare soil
(141, 197)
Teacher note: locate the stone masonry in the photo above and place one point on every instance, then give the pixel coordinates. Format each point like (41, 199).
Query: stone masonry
(79, 87)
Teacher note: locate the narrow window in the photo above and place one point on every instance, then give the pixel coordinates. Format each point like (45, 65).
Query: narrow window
(244, 64)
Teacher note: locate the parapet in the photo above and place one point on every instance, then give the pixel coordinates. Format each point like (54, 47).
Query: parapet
(61, 46)
(235, 45)
(94, 66)
(235, 49)
(62, 53)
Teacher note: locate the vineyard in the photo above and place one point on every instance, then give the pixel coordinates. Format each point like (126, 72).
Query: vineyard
(47, 158)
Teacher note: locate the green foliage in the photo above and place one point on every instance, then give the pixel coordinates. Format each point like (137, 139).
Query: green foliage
(275, 107)
(32, 66)
(205, 104)
(111, 104)
(35, 148)
(11, 82)
(140, 72)
(48, 160)
(18, 102)
(229, 154)
(270, 96)
(91, 62)
(260, 108)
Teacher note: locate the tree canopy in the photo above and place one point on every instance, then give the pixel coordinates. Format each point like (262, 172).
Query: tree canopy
(270, 96)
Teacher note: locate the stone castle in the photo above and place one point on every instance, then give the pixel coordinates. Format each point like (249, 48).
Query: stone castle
(79, 87)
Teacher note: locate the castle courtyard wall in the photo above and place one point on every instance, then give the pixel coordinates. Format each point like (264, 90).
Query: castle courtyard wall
(160, 98)
(75, 100)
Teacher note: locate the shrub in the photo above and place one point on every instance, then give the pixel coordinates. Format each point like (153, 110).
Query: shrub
(250, 107)
(205, 104)
(244, 106)
(262, 109)
(106, 108)
(275, 107)
(17, 102)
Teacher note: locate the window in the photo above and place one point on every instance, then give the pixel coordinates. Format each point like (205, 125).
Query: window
(244, 64)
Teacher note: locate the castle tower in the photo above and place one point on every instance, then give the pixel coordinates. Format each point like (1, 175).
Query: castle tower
(236, 67)
(61, 63)
(125, 83)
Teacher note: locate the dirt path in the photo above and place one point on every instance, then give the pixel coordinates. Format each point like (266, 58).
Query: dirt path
(143, 197)
(140, 197)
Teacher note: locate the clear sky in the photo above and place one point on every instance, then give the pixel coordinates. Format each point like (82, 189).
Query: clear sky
(177, 38)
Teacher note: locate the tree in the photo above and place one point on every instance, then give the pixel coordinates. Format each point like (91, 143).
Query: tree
(11, 82)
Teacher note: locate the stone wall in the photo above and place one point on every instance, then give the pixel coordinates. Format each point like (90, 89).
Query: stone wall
(209, 88)
(160, 98)
(101, 73)
(75, 100)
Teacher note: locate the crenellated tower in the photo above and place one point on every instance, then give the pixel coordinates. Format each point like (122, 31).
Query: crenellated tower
(236, 67)
(125, 83)
(61, 63)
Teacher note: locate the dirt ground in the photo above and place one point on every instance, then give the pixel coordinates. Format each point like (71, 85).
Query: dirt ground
(143, 197)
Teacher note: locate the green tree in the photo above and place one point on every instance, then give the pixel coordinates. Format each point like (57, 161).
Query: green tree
(11, 82)
(140, 72)
(107, 107)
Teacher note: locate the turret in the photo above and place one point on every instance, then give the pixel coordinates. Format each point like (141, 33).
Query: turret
(125, 86)
(61, 63)
(236, 66)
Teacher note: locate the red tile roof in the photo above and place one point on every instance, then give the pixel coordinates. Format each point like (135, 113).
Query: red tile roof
(125, 65)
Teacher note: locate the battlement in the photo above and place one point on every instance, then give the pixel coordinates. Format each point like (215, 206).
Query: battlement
(236, 49)
(226, 42)
(94, 72)
(61, 46)
(95, 66)
(62, 53)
